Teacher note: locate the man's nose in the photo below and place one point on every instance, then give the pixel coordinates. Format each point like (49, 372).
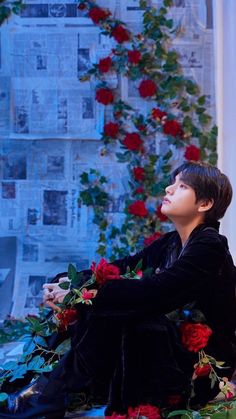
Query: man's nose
(169, 189)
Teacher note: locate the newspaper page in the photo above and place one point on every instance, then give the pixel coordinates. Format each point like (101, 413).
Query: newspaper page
(49, 130)
(48, 100)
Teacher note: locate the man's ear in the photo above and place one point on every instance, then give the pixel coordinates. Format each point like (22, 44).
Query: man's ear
(205, 205)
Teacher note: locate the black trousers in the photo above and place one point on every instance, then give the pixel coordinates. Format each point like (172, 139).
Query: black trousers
(136, 359)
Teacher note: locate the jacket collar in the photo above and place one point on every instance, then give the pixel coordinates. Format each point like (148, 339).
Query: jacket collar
(212, 224)
(200, 227)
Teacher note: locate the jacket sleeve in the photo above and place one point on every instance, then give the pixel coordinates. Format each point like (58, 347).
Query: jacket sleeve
(193, 273)
(151, 253)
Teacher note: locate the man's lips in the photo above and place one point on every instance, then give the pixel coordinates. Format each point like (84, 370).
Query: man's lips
(166, 201)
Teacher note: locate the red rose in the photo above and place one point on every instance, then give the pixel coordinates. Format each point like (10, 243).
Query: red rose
(105, 271)
(87, 295)
(147, 88)
(158, 114)
(132, 141)
(192, 153)
(138, 173)
(141, 127)
(149, 411)
(150, 239)
(134, 56)
(195, 336)
(111, 129)
(66, 317)
(120, 34)
(104, 65)
(162, 217)
(229, 395)
(203, 370)
(104, 96)
(97, 14)
(172, 127)
(138, 191)
(138, 208)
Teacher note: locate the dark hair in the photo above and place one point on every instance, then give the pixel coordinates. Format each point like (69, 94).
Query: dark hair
(208, 183)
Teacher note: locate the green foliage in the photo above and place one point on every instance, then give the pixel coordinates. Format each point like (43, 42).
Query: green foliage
(8, 7)
(176, 93)
(36, 356)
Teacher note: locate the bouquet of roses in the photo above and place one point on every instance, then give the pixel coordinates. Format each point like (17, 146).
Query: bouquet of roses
(80, 290)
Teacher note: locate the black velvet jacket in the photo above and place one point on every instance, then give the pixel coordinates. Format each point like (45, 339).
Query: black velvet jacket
(129, 343)
(202, 272)
(153, 363)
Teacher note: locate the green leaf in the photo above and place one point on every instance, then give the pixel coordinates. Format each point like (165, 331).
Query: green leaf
(186, 414)
(166, 168)
(19, 372)
(138, 267)
(203, 141)
(204, 119)
(200, 110)
(143, 4)
(67, 298)
(153, 159)
(103, 224)
(3, 398)
(103, 179)
(114, 232)
(84, 179)
(10, 365)
(168, 155)
(201, 100)
(29, 346)
(169, 23)
(63, 347)
(64, 285)
(213, 158)
(35, 363)
(101, 250)
(46, 368)
(86, 197)
(35, 324)
(5, 13)
(72, 273)
(191, 87)
(39, 340)
(168, 3)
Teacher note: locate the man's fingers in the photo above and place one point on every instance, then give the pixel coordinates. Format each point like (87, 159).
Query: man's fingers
(48, 295)
(53, 306)
(50, 286)
(64, 279)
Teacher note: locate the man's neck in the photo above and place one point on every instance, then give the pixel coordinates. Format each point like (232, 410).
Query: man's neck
(185, 229)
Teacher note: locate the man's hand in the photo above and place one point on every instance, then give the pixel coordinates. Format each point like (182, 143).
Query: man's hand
(53, 294)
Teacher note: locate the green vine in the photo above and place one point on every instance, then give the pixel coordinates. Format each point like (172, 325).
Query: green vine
(178, 118)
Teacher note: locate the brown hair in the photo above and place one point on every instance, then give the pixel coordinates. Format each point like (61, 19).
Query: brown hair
(208, 183)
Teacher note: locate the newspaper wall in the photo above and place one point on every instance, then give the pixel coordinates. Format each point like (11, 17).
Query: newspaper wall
(50, 128)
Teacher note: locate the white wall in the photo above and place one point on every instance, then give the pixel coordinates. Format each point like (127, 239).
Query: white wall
(225, 58)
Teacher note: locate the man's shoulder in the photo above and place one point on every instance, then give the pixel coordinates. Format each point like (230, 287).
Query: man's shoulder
(164, 239)
(211, 235)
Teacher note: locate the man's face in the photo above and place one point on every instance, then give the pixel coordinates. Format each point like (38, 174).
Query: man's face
(180, 201)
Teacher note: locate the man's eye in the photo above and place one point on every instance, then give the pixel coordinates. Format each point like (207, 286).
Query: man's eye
(182, 185)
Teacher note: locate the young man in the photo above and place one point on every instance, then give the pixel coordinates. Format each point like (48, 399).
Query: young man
(128, 339)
